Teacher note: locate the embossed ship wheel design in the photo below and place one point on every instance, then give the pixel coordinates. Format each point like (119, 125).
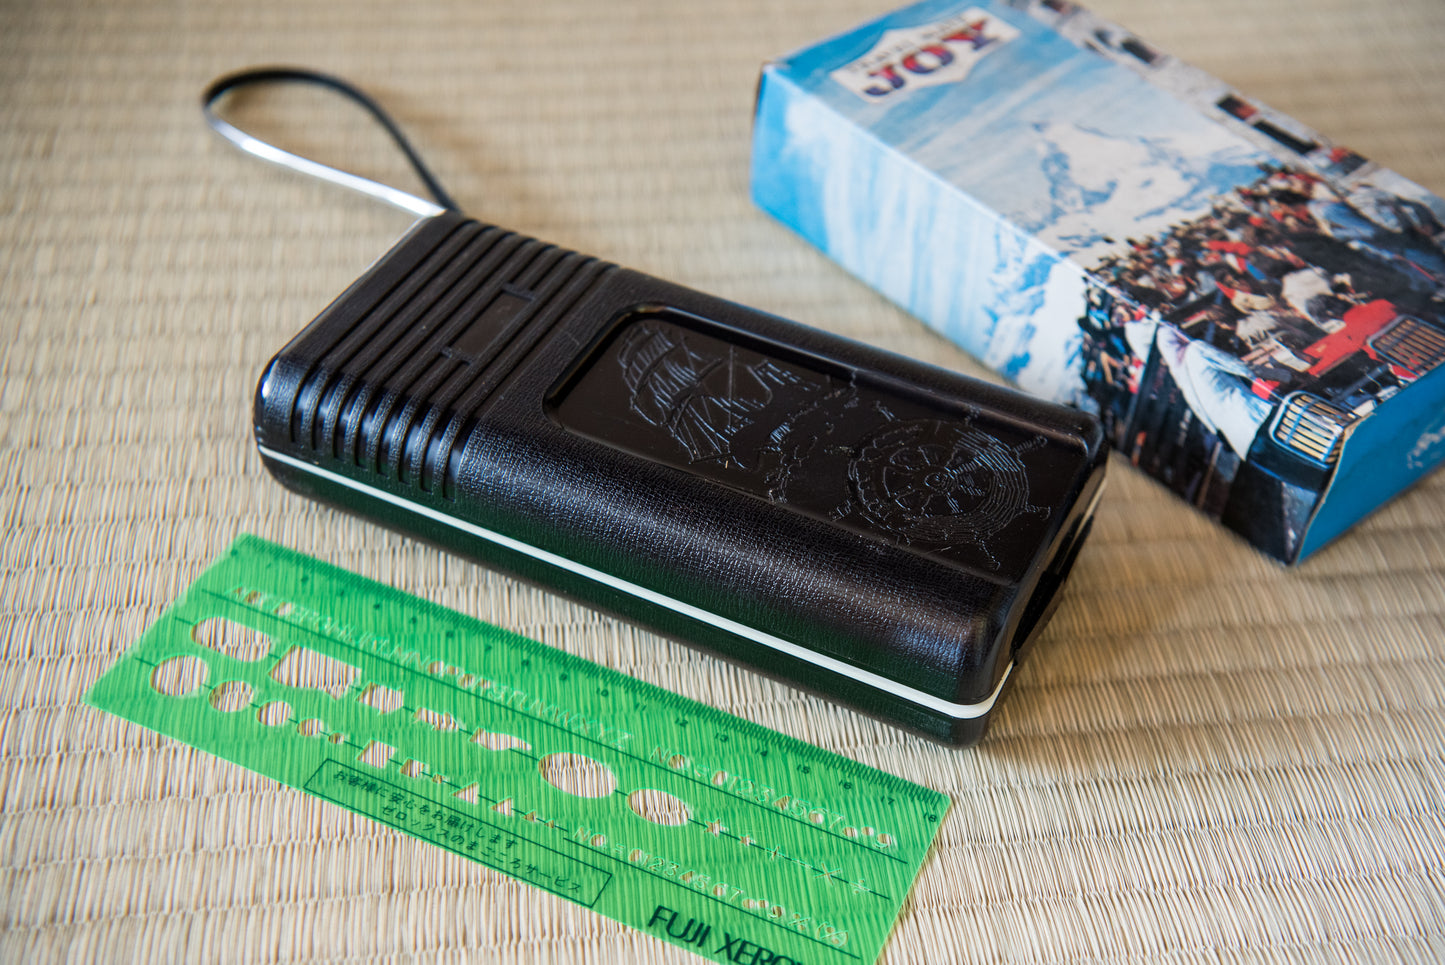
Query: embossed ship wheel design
(937, 484)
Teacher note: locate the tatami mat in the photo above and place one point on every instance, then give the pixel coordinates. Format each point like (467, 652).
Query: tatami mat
(1208, 758)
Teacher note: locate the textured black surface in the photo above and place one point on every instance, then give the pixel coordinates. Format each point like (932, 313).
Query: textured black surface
(932, 474)
(897, 517)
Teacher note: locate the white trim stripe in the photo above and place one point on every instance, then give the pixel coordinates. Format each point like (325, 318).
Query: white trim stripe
(892, 687)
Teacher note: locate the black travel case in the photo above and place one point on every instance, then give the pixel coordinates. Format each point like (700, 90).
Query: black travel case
(882, 532)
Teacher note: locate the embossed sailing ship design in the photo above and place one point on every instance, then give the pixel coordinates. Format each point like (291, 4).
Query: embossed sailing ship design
(932, 484)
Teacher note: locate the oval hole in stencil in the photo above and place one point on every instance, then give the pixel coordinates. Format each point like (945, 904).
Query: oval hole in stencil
(231, 696)
(179, 676)
(578, 774)
(659, 807)
(231, 638)
(274, 714)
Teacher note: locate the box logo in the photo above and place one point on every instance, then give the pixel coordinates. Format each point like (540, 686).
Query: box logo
(944, 52)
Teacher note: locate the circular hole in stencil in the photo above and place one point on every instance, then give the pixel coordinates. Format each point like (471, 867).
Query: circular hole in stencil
(179, 676)
(659, 807)
(274, 714)
(311, 727)
(578, 774)
(231, 696)
(231, 638)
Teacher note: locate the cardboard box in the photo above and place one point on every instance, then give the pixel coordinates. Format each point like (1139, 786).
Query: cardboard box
(1257, 314)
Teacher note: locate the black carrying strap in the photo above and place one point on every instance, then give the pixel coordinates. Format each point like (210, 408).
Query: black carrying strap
(269, 152)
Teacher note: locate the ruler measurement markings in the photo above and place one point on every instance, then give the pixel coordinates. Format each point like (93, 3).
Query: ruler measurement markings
(432, 679)
(465, 624)
(763, 784)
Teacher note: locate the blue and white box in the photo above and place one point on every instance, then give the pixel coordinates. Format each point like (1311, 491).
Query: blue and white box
(1257, 315)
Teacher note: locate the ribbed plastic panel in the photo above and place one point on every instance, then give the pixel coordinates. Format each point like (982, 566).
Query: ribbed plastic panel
(394, 391)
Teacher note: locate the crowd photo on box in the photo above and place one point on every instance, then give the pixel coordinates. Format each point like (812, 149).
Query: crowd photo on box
(1262, 329)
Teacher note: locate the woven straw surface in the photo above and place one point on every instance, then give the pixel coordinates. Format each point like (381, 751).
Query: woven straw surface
(1208, 758)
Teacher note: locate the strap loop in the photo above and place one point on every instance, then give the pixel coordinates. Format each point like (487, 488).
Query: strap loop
(269, 152)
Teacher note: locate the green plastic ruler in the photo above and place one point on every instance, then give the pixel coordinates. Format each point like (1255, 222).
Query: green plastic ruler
(705, 830)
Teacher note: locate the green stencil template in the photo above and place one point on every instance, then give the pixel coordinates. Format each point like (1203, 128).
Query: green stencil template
(705, 830)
